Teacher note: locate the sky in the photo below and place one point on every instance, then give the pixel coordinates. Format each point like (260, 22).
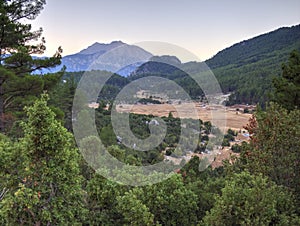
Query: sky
(202, 27)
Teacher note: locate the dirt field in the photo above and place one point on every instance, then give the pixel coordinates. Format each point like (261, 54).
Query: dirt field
(232, 119)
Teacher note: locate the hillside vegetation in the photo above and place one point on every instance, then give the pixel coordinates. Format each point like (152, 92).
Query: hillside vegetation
(247, 68)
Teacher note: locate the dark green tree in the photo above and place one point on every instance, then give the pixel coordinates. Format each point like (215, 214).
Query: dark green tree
(134, 211)
(287, 87)
(102, 201)
(170, 202)
(17, 43)
(49, 191)
(274, 149)
(252, 200)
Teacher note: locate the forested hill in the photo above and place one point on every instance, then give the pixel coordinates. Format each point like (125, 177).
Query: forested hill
(249, 51)
(247, 69)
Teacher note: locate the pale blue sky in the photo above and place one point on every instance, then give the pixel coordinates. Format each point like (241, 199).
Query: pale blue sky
(202, 27)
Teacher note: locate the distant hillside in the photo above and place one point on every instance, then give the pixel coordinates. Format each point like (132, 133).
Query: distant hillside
(166, 66)
(258, 48)
(171, 68)
(247, 68)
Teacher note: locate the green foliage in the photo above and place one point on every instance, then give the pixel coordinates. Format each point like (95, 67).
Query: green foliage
(102, 202)
(49, 189)
(225, 143)
(232, 133)
(246, 111)
(148, 101)
(44, 180)
(61, 97)
(247, 68)
(170, 202)
(257, 48)
(133, 210)
(17, 87)
(230, 136)
(252, 200)
(236, 148)
(169, 71)
(287, 87)
(275, 147)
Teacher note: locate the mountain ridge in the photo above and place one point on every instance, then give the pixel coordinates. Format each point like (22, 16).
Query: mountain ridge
(282, 36)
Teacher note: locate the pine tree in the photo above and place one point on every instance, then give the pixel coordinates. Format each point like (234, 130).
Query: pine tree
(17, 43)
(287, 87)
(49, 190)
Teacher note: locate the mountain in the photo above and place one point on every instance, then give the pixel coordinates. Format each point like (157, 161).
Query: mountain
(157, 65)
(111, 57)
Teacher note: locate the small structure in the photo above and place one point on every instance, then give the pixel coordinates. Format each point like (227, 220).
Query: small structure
(154, 122)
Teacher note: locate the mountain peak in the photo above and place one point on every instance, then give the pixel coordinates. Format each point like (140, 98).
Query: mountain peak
(101, 47)
(117, 42)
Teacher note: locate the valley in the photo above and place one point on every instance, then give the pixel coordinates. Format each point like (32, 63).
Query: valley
(122, 134)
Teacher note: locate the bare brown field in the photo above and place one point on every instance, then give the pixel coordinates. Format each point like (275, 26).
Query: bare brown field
(232, 119)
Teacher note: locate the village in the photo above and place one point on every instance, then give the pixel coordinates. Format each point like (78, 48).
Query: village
(233, 117)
